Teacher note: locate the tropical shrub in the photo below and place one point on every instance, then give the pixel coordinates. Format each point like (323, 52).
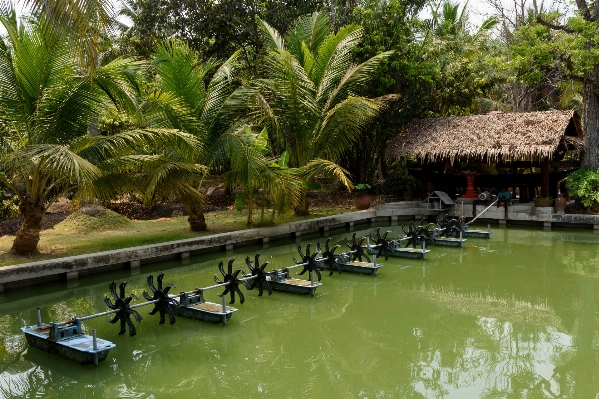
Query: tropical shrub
(584, 185)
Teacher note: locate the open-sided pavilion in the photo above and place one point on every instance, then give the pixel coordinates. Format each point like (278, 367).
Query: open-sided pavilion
(525, 150)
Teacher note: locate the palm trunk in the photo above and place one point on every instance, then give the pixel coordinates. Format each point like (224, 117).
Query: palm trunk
(28, 235)
(301, 209)
(591, 119)
(196, 219)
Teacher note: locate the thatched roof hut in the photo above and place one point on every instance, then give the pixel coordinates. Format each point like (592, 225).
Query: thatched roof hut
(491, 137)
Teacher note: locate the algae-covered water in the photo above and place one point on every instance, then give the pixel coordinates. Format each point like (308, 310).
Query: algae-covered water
(510, 317)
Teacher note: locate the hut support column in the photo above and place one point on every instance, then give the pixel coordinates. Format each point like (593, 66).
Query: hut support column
(423, 179)
(545, 178)
(524, 195)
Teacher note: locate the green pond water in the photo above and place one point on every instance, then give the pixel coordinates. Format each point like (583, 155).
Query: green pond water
(510, 317)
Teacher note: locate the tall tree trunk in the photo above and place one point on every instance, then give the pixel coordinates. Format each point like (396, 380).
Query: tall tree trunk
(28, 235)
(196, 219)
(591, 119)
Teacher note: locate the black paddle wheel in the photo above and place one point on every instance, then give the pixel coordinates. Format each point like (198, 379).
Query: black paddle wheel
(329, 259)
(163, 300)
(412, 235)
(416, 235)
(382, 244)
(309, 261)
(261, 276)
(122, 306)
(356, 248)
(233, 280)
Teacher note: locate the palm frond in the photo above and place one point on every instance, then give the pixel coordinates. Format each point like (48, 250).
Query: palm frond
(181, 73)
(79, 23)
(319, 169)
(166, 110)
(53, 163)
(355, 79)
(65, 111)
(120, 81)
(101, 148)
(342, 126)
(328, 48)
(309, 30)
(271, 38)
(218, 91)
(337, 64)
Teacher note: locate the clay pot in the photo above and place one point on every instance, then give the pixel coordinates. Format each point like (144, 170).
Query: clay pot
(560, 205)
(362, 201)
(544, 203)
(407, 196)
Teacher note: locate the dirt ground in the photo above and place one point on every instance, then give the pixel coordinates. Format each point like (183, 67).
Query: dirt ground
(217, 201)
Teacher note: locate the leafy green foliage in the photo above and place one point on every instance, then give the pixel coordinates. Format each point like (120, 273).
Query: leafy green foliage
(9, 207)
(214, 29)
(584, 184)
(438, 68)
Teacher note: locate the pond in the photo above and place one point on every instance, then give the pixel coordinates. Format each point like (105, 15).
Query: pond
(513, 316)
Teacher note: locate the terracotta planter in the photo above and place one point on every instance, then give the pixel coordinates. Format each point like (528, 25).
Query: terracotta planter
(362, 201)
(560, 205)
(407, 196)
(544, 203)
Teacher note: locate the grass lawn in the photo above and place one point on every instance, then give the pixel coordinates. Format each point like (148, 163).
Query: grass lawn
(86, 235)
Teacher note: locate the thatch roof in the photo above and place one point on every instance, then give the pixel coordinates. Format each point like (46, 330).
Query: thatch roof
(517, 136)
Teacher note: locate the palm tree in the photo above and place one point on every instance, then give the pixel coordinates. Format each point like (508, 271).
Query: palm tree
(452, 23)
(251, 169)
(310, 100)
(46, 107)
(188, 98)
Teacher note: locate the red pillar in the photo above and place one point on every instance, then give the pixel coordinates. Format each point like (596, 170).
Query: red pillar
(545, 178)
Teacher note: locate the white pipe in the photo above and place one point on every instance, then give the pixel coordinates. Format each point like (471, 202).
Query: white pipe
(477, 216)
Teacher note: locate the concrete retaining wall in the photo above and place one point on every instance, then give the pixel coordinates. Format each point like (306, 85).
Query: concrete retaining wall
(73, 266)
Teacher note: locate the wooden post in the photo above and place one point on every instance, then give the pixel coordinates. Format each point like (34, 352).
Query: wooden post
(545, 177)
(524, 195)
(424, 181)
(553, 187)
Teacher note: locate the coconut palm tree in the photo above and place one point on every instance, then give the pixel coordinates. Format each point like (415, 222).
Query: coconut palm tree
(187, 98)
(190, 97)
(310, 99)
(46, 107)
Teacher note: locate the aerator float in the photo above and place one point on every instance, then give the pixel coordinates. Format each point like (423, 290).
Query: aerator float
(456, 226)
(67, 340)
(415, 236)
